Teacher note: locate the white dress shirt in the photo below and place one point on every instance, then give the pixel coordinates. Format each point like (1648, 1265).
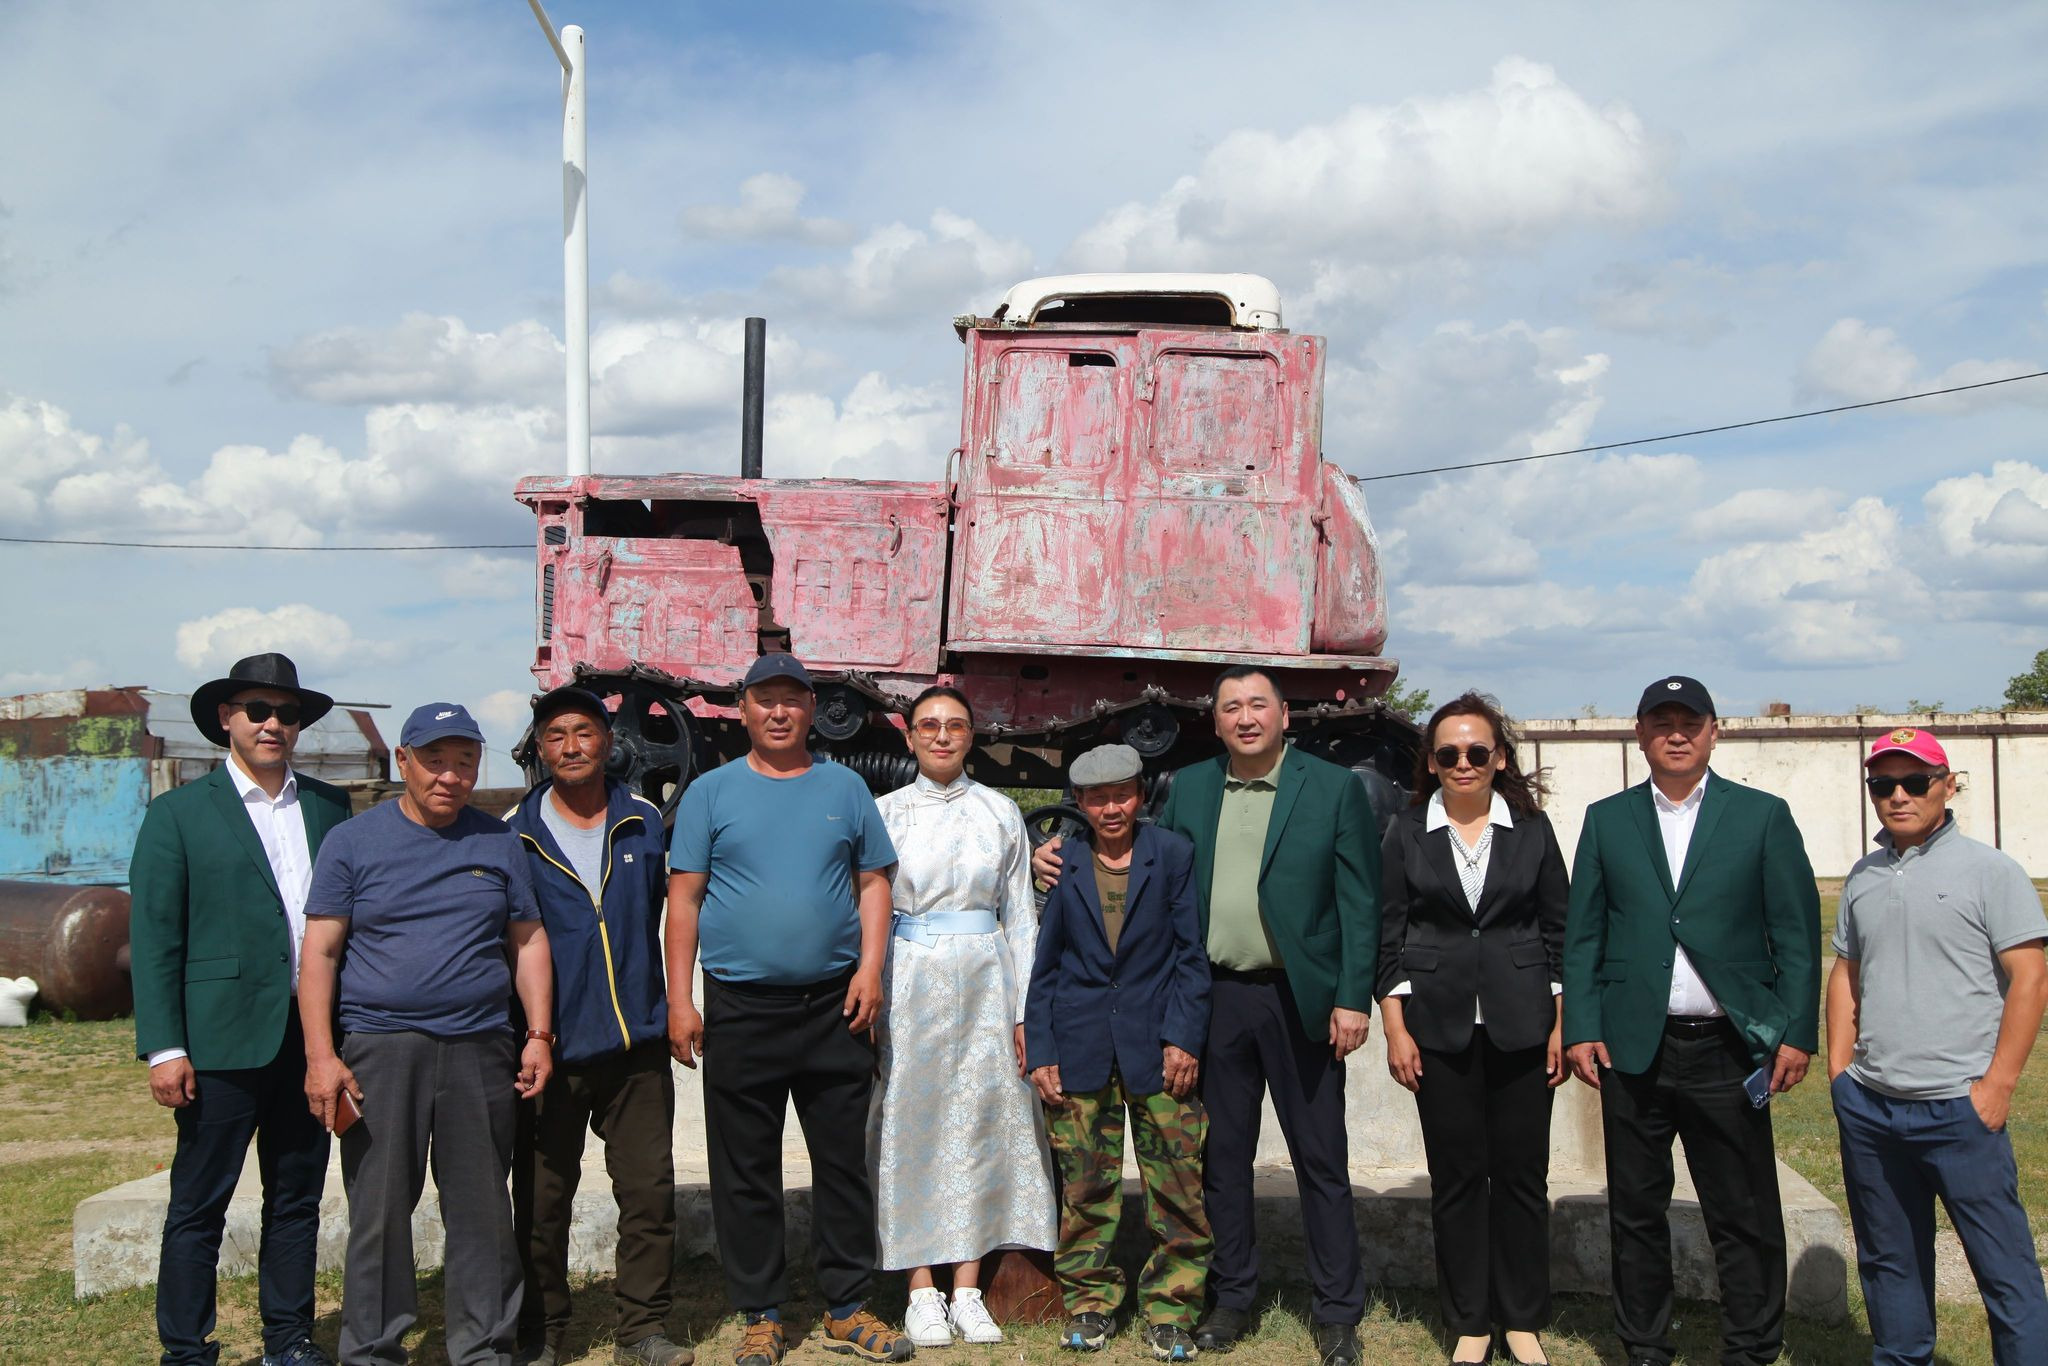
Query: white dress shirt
(281, 827)
(1675, 822)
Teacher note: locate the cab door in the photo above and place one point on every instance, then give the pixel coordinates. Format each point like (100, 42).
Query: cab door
(1220, 543)
(1040, 529)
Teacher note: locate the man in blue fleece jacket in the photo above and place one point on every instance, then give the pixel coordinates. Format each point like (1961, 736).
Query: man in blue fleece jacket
(597, 855)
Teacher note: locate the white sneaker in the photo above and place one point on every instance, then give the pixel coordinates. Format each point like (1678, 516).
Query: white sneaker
(925, 1319)
(970, 1317)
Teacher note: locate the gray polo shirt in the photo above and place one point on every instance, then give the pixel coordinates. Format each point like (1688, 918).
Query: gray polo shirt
(1925, 928)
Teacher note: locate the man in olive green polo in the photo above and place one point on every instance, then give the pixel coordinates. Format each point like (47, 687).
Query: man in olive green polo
(1287, 877)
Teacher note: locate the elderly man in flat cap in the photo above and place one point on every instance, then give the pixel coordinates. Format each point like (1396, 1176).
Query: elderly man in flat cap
(1113, 1024)
(219, 879)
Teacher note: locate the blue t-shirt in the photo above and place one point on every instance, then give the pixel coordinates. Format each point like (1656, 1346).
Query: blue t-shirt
(427, 912)
(783, 855)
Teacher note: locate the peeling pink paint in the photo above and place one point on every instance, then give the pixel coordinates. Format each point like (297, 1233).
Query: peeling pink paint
(1131, 506)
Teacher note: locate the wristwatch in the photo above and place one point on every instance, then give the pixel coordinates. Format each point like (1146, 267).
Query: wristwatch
(542, 1035)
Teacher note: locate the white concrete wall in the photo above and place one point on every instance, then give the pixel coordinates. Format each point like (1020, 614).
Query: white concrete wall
(1816, 764)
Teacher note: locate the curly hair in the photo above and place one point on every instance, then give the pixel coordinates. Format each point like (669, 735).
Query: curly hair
(1524, 792)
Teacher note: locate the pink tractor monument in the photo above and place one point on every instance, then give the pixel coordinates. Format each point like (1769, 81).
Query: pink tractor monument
(1139, 498)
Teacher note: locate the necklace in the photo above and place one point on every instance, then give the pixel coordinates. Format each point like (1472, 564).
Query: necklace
(1473, 857)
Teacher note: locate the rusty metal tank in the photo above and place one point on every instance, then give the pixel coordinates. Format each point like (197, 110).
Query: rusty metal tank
(1139, 498)
(73, 941)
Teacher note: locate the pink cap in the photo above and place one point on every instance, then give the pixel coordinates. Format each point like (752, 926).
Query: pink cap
(1907, 740)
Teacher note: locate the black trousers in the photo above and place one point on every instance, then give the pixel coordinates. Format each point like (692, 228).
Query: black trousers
(1256, 1044)
(1486, 1131)
(627, 1099)
(1693, 1092)
(268, 1104)
(765, 1047)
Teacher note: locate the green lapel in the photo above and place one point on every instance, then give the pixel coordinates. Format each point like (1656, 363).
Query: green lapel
(228, 802)
(320, 817)
(1204, 798)
(1293, 773)
(1713, 805)
(1644, 808)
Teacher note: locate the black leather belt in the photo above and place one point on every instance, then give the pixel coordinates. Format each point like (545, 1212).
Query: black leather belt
(1260, 977)
(1694, 1026)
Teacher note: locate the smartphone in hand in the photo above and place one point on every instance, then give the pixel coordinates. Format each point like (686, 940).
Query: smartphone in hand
(1757, 1086)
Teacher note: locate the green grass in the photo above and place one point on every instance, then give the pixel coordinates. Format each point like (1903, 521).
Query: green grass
(76, 1118)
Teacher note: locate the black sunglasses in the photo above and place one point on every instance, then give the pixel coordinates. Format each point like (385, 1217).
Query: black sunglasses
(287, 713)
(1916, 784)
(1446, 756)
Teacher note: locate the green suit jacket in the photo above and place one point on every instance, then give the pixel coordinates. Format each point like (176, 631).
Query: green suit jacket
(1744, 908)
(208, 941)
(1319, 883)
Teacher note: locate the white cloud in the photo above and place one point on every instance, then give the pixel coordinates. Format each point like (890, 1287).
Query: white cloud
(1763, 515)
(422, 359)
(899, 273)
(1856, 362)
(79, 673)
(1684, 299)
(1505, 166)
(1992, 528)
(879, 431)
(306, 633)
(474, 578)
(767, 212)
(504, 714)
(1834, 596)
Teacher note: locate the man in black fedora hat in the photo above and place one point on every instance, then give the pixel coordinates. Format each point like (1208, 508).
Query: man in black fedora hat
(219, 881)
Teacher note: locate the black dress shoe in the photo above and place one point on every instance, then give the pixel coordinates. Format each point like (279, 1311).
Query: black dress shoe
(1337, 1344)
(1220, 1329)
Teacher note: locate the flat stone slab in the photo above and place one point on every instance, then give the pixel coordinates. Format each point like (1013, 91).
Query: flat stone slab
(116, 1232)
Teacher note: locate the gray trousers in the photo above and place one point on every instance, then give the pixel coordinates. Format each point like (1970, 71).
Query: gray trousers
(458, 1094)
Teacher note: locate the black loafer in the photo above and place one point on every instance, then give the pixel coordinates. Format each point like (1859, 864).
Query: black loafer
(1337, 1344)
(1220, 1329)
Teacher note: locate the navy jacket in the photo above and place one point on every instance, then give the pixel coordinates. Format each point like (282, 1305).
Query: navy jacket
(1088, 1009)
(610, 983)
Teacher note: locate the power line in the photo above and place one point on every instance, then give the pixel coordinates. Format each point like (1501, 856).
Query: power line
(1363, 479)
(190, 545)
(1699, 431)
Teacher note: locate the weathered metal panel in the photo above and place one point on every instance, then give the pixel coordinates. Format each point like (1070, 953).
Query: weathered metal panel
(1042, 489)
(856, 575)
(1220, 552)
(622, 599)
(1351, 599)
(71, 818)
(73, 942)
(858, 572)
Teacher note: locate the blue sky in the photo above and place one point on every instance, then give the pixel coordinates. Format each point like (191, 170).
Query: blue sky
(286, 275)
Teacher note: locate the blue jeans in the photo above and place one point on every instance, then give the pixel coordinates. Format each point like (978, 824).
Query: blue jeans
(1897, 1156)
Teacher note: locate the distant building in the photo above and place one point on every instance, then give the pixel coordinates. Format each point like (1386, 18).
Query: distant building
(78, 767)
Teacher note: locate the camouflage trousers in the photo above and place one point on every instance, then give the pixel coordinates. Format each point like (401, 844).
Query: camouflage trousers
(1087, 1135)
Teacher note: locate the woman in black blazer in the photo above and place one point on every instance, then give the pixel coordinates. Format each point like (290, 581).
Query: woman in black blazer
(1471, 938)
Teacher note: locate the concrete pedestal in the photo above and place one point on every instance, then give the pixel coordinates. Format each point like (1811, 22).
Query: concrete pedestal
(115, 1233)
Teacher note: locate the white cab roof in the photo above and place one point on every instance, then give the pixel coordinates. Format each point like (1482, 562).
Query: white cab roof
(1254, 300)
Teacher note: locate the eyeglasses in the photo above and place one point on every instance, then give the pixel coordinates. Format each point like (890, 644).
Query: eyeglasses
(953, 728)
(1479, 756)
(287, 713)
(1916, 784)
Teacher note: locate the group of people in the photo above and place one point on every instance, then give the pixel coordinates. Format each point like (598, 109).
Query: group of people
(435, 987)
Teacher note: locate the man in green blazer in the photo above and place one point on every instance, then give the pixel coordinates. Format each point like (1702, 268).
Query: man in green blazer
(1287, 880)
(219, 882)
(1691, 980)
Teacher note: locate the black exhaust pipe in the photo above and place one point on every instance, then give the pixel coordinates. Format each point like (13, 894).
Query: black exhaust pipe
(751, 391)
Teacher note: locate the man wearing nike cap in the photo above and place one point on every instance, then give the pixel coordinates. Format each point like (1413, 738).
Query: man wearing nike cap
(434, 904)
(1934, 1003)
